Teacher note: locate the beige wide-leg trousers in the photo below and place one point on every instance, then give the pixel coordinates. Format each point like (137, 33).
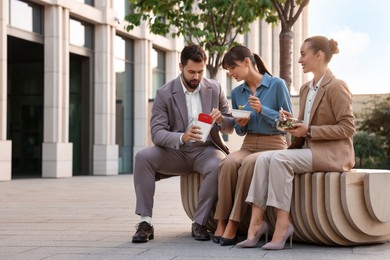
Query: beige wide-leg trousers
(235, 175)
(273, 176)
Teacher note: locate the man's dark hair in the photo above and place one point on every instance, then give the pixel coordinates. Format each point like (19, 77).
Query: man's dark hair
(194, 53)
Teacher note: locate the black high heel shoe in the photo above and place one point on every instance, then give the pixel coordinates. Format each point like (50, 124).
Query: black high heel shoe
(216, 239)
(228, 241)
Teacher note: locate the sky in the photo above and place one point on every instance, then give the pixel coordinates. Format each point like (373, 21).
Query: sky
(362, 30)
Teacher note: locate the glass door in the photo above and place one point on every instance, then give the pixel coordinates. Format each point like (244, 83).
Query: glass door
(25, 106)
(80, 123)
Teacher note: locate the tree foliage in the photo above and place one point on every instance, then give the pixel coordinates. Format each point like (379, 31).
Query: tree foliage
(213, 24)
(375, 121)
(367, 150)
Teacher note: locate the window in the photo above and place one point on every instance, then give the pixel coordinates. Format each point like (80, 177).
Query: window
(158, 67)
(121, 8)
(124, 75)
(80, 34)
(229, 85)
(87, 2)
(26, 16)
(260, 36)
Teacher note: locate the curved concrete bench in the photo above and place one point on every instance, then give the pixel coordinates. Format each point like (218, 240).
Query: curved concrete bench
(189, 187)
(332, 208)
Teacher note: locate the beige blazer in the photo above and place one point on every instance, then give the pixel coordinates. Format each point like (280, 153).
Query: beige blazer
(332, 125)
(170, 117)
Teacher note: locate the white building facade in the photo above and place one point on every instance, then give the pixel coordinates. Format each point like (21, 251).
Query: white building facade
(76, 88)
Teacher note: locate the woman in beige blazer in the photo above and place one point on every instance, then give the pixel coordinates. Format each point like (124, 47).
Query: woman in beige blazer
(323, 142)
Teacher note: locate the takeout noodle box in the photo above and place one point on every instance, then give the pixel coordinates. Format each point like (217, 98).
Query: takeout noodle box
(205, 122)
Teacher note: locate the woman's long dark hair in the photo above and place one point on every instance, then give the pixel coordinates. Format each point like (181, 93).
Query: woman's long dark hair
(239, 53)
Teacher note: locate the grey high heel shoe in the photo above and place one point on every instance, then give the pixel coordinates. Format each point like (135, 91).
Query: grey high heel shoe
(253, 242)
(277, 246)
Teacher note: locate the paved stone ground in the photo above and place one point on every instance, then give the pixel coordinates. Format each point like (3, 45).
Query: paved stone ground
(93, 217)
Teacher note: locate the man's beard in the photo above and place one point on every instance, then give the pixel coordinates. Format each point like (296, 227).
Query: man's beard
(192, 84)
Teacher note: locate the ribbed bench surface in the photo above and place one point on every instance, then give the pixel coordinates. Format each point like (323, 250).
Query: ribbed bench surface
(328, 208)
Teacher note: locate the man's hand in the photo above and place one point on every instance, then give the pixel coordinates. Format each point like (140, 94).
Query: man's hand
(193, 134)
(217, 115)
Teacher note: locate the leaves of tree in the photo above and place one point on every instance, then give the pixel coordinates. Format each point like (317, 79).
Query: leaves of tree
(375, 121)
(367, 149)
(213, 24)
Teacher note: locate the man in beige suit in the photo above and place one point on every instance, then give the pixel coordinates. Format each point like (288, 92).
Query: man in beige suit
(323, 143)
(178, 147)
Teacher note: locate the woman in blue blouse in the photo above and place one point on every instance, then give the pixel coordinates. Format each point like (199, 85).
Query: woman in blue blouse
(266, 95)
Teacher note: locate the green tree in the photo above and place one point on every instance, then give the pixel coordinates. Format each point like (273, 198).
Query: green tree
(375, 121)
(213, 24)
(367, 150)
(288, 13)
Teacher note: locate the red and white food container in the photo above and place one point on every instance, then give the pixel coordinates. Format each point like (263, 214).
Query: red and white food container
(205, 122)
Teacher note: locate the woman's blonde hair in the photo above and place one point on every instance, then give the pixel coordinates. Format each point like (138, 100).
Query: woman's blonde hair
(321, 43)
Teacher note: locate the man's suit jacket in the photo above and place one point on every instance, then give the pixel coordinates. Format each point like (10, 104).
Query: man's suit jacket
(332, 125)
(170, 117)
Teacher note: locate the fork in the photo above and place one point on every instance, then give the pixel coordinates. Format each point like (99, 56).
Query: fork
(242, 106)
(284, 118)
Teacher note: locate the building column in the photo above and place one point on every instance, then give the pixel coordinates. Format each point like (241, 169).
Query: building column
(254, 37)
(141, 94)
(300, 33)
(266, 44)
(172, 62)
(56, 149)
(105, 151)
(5, 145)
(143, 83)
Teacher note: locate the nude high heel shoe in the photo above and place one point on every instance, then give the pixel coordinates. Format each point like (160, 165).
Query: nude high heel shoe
(253, 242)
(278, 246)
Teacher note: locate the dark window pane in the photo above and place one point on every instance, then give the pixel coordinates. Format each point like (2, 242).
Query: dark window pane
(124, 75)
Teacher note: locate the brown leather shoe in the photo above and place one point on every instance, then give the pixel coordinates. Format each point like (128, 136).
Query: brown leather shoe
(199, 232)
(145, 232)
